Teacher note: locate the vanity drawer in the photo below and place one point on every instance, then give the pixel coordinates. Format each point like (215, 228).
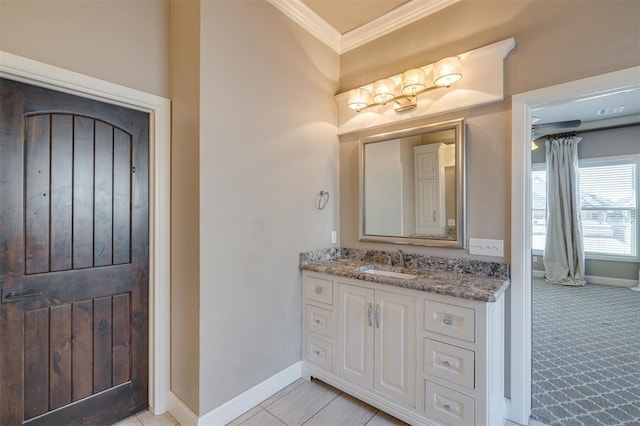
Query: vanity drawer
(451, 407)
(318, 289)
(320, 321)
(450, 320)
(319, 352)
(448, 362)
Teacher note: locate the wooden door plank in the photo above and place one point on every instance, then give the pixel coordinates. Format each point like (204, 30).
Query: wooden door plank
(36, 362)
(37, 194)
(11, 250)
(121, 197)
(102, 326)
(82, 350)
(61, 191)
(121, 336)
(83, 193)
(103, 222)
(60, 356)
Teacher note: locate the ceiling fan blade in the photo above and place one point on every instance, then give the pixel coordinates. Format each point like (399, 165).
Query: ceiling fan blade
(558, 125)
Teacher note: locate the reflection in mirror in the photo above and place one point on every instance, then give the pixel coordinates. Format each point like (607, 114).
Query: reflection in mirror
(412, 186)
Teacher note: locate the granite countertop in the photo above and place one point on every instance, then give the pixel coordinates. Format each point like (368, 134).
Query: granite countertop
(463, 285)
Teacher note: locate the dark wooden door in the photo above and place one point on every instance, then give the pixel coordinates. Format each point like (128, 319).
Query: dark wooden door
(73, 258)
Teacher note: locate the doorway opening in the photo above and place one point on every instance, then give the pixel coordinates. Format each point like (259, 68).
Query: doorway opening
(521, 225)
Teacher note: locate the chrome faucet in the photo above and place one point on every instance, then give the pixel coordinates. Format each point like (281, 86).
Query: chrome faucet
(400, 255)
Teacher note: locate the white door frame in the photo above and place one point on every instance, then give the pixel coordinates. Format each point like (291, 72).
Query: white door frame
(39, 74)
(521, 111)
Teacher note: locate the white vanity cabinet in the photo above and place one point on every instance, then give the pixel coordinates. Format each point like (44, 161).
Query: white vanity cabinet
(318, 337)
(376, 340)
(425, 358)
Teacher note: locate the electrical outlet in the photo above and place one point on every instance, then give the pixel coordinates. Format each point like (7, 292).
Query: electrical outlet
(334, 237)
(486, 247)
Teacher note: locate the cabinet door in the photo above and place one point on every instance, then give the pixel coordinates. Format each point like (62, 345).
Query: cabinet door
(395, 346)
(355, 334)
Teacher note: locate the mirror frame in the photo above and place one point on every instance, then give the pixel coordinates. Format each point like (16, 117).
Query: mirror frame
(460, 176)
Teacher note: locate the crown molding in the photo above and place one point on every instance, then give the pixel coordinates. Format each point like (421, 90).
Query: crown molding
(395, 19)
(403, 15)
(310, 21)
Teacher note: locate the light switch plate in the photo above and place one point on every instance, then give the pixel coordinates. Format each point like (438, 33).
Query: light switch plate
(486, 247)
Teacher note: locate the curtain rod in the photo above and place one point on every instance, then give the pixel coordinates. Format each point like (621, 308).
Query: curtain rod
(599, 129)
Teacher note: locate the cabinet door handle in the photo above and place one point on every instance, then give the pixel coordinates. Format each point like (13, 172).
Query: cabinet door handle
(434, 215)
(377, 316)
(369, 313)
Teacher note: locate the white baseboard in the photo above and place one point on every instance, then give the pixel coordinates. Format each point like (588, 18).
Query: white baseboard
(240, 404)
(180, 411)
(619, 282)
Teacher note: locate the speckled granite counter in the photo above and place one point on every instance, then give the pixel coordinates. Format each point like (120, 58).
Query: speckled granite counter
(458, 277)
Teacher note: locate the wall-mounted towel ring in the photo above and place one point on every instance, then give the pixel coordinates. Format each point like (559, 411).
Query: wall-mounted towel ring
(322, 200)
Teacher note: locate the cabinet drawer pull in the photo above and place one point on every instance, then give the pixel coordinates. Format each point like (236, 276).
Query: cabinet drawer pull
(447, 363)
(319, 321)
(447, 407)
(318, 290)
(447, 321)
(317, 352)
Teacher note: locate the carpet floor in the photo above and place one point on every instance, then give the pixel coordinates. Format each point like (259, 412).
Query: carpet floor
(585, 355)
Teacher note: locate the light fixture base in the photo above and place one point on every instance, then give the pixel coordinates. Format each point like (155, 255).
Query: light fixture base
(404, 104)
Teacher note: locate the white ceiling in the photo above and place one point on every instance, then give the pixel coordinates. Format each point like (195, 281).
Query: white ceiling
(619, 106)
(346, 24)
(347, 15)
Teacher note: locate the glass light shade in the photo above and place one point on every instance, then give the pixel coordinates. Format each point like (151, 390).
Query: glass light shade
(359, 99)
(384, 90)
(447, 71)
(413, 82)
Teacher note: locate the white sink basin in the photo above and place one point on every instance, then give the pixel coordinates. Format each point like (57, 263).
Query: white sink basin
(374, 271)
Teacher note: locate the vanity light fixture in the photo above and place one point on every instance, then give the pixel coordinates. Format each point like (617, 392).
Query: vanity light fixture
(404, 92)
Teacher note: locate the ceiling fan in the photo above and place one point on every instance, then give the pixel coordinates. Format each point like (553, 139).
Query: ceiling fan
(541, 130)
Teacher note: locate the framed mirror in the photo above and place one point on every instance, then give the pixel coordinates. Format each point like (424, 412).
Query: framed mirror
(412, 186)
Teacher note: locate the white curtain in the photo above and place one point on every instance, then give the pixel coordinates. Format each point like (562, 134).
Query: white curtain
(564, 251)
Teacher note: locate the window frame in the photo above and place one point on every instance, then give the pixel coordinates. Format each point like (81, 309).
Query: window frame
(604, 161)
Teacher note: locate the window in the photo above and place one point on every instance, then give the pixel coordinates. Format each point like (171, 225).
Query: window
(608, 206)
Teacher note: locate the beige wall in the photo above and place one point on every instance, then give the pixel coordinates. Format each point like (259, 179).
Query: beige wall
(268, 146)
(556, 42)
(120, 41)
(185, 214)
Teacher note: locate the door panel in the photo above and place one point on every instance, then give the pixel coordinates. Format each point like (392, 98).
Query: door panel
(73, 258)
(395, 354)
(355, 335)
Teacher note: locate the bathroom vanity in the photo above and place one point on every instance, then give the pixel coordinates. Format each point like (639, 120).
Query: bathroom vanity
(424, 344)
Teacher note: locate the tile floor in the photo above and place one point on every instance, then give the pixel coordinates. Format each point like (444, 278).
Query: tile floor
(146, 418)
(301, 403)
(313, 403)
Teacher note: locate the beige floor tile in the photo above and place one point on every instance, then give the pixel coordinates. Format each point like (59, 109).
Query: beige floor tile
(263, 418)
(255, 410)
(343, 410)
(297, 407)
(383, 419)
(129, 421)
(276, 396)
(148, 419)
